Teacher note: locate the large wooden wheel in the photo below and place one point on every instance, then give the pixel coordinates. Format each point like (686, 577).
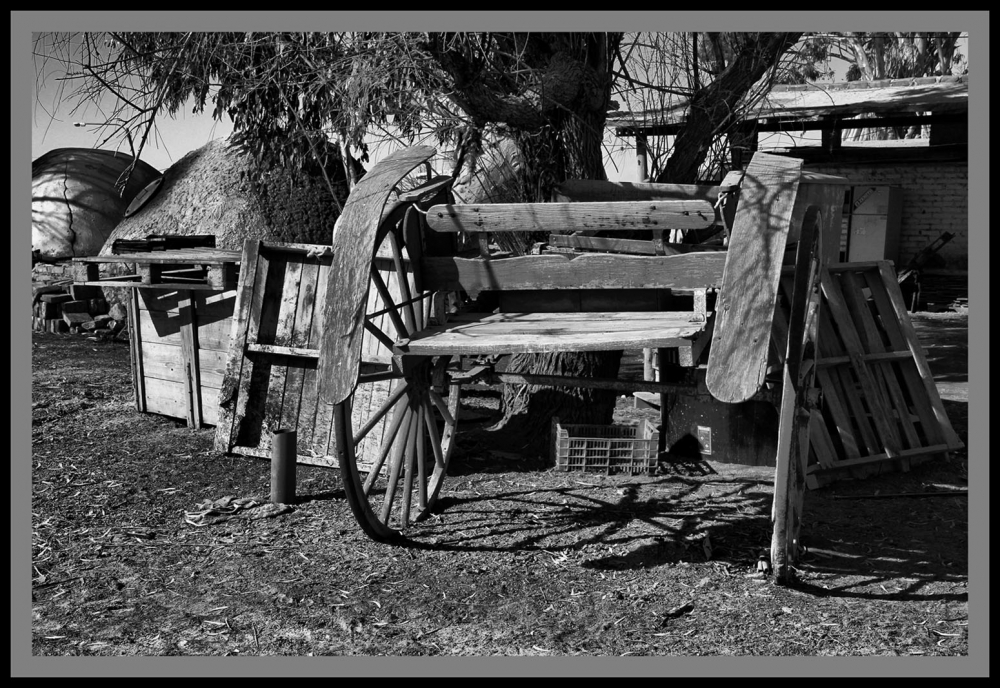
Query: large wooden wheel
(394, 435)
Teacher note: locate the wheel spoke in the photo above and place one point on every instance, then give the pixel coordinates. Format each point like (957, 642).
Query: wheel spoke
(393, 312)
(423, 412)
(399, 449)
(409, 313)
(411, 457)
(385, 339)
(384, 409)
(402, 415)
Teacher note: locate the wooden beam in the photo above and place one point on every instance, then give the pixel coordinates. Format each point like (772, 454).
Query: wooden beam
(586, 271)
(596, 190)
(546, 217)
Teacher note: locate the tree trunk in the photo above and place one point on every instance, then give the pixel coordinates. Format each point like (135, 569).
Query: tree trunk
(713, 109)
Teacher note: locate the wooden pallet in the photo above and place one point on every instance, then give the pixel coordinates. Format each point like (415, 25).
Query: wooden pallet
(879, 407)
(187, 268)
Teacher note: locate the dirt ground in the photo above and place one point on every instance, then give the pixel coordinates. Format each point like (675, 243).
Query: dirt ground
(518, 560)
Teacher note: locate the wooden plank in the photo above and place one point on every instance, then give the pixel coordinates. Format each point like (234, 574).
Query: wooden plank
(211, 371)
(903, 318)
(166, 397)
(842, 379)
(198, 256)
(299, 338)
(592, 190)
(820, 440)
(833, 395)
(583, 271)
(911, 377)
(594, 217)
(737, 362)
(286, 298)
(630, 246)
(876, 458)
(225, 432)
(884, 374)
(189, 358)
(135, 344)
(353, 248)
(873, 396)
(165, 327)
(307, 422)
(608, 244)
(536, 333)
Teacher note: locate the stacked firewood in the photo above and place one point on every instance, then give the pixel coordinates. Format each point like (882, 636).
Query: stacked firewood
(77, 309)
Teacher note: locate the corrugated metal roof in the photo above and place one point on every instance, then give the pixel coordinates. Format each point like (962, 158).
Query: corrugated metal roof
(819, 100)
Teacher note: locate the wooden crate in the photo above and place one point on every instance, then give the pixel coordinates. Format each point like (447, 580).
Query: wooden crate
(180, 306)
(179, 351)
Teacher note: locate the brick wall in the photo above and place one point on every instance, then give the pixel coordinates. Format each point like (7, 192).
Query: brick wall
(935, 200)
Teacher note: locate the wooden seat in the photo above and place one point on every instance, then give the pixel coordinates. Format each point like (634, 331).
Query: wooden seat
(509, 333)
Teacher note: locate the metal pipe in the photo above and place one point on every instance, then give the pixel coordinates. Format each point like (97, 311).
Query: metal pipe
(283, 457)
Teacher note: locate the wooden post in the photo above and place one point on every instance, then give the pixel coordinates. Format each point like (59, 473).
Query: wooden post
(135, 345)
(798, 398)
(189, 358)
(641, 144)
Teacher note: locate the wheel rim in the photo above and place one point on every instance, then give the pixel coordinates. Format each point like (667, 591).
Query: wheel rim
(394, 436)
(394, 488)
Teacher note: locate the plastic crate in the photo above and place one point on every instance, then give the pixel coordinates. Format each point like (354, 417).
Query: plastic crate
(605, 448)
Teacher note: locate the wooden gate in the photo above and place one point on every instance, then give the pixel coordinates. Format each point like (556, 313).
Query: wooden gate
(271, 379)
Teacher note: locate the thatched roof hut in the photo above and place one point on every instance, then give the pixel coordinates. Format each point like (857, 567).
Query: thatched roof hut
(210, 191)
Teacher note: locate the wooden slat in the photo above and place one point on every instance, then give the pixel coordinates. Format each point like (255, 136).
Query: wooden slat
(879, 405)
(312, 436)
(189, 358)
(194, 255)
(286, 299)
(842, 380)
(591, 190)
(165, 397)
(225, 432)
(898, 341)
(903, 318)
(135, 345)
(536, 333)
(737, 362)
(596, 217)
(298, 339)
(631, 246)
(584, 271)
(884, 374)
(165, 327)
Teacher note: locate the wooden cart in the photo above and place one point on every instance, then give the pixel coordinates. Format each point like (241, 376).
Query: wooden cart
(380, 369)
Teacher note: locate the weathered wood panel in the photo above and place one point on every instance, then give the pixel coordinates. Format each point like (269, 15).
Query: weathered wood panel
(353, 247)
(545, 332)
(554, 217)
(592, 190)
(585, 271)
(737, 361)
